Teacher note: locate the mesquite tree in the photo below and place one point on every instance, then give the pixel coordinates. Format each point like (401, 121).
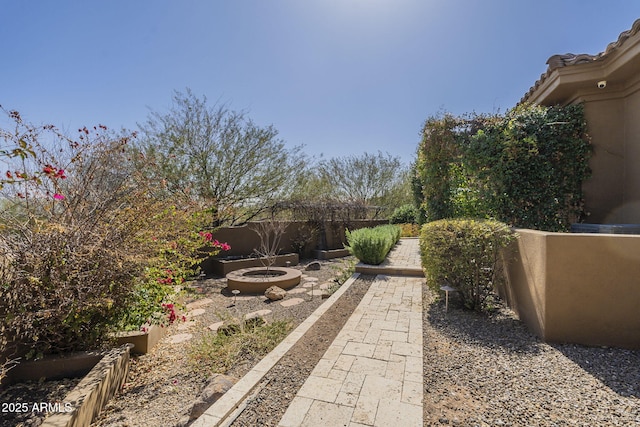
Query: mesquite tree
(218, 157)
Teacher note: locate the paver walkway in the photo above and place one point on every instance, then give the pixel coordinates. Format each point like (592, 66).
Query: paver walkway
(404, 260)
(371, 375)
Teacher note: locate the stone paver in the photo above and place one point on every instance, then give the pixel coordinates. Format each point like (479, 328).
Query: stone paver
(371, 375)
(292, 301)
(180, 338)
(215, 326)
(403, 259)
(258, 313)
(199, 303)
(196, 312)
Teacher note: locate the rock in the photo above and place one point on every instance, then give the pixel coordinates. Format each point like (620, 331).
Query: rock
(218, 386)
(313, 266)
(215, 326)
(275, 293)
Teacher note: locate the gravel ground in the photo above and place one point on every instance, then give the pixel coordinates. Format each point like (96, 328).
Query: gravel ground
(163, 384)
(18, 401)
(491, 371)
(480, 370)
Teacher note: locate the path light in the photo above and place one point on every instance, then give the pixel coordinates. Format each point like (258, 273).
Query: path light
(446, 288)
(235, 293)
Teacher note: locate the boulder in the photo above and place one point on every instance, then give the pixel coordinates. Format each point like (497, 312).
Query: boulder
(218, 386)
(312, 266)
(275, 293)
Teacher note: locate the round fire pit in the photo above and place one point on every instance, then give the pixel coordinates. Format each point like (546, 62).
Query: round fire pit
(256, 280)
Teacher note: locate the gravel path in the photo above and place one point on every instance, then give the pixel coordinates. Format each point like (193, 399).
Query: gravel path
(491, 371)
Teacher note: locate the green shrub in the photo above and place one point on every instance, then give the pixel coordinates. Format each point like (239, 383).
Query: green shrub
(530, 165)
(405, 214)
(525, 168)
(465, 254)
(371, 245)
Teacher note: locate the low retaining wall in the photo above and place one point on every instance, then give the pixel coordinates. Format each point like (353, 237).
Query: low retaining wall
(53, 367)
(93, 392)
(142, 342)
(330, 254)
(221, 267)
(576, 288)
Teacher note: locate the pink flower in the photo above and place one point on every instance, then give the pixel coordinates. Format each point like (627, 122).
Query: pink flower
(58, 196)
(206, 236)
(225, 247)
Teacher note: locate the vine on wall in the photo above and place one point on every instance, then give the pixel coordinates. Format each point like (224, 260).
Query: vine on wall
(525, 168)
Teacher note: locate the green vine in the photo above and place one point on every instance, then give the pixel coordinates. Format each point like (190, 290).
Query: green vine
(525, 168)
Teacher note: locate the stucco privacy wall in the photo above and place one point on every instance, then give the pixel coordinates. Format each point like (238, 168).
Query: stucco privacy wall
(578, 288)
(612, 112)
(244, 240)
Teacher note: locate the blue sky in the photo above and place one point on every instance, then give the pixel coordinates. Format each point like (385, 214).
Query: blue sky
(342, 77)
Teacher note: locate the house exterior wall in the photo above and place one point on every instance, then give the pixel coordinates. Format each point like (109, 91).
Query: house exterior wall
(604, 191)
(576, 288)
(632, 153)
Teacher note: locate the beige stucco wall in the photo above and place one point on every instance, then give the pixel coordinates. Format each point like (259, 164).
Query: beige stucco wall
(578, 288)
(603, 192)
(612, 194)
(244, 240)
(632, 154)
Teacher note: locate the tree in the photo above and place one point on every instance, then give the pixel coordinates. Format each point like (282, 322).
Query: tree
(219, 158)
(370, 179)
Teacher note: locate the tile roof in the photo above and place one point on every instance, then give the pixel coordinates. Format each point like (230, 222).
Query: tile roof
(569, 59)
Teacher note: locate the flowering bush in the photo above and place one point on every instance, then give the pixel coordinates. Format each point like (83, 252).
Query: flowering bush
(84, 239)
(175, 262)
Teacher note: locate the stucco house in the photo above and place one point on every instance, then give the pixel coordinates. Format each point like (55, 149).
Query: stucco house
(608, 84)
(579, 287)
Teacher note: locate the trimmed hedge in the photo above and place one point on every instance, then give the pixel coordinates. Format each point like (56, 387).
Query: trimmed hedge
(465, 254)
(371, 245)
